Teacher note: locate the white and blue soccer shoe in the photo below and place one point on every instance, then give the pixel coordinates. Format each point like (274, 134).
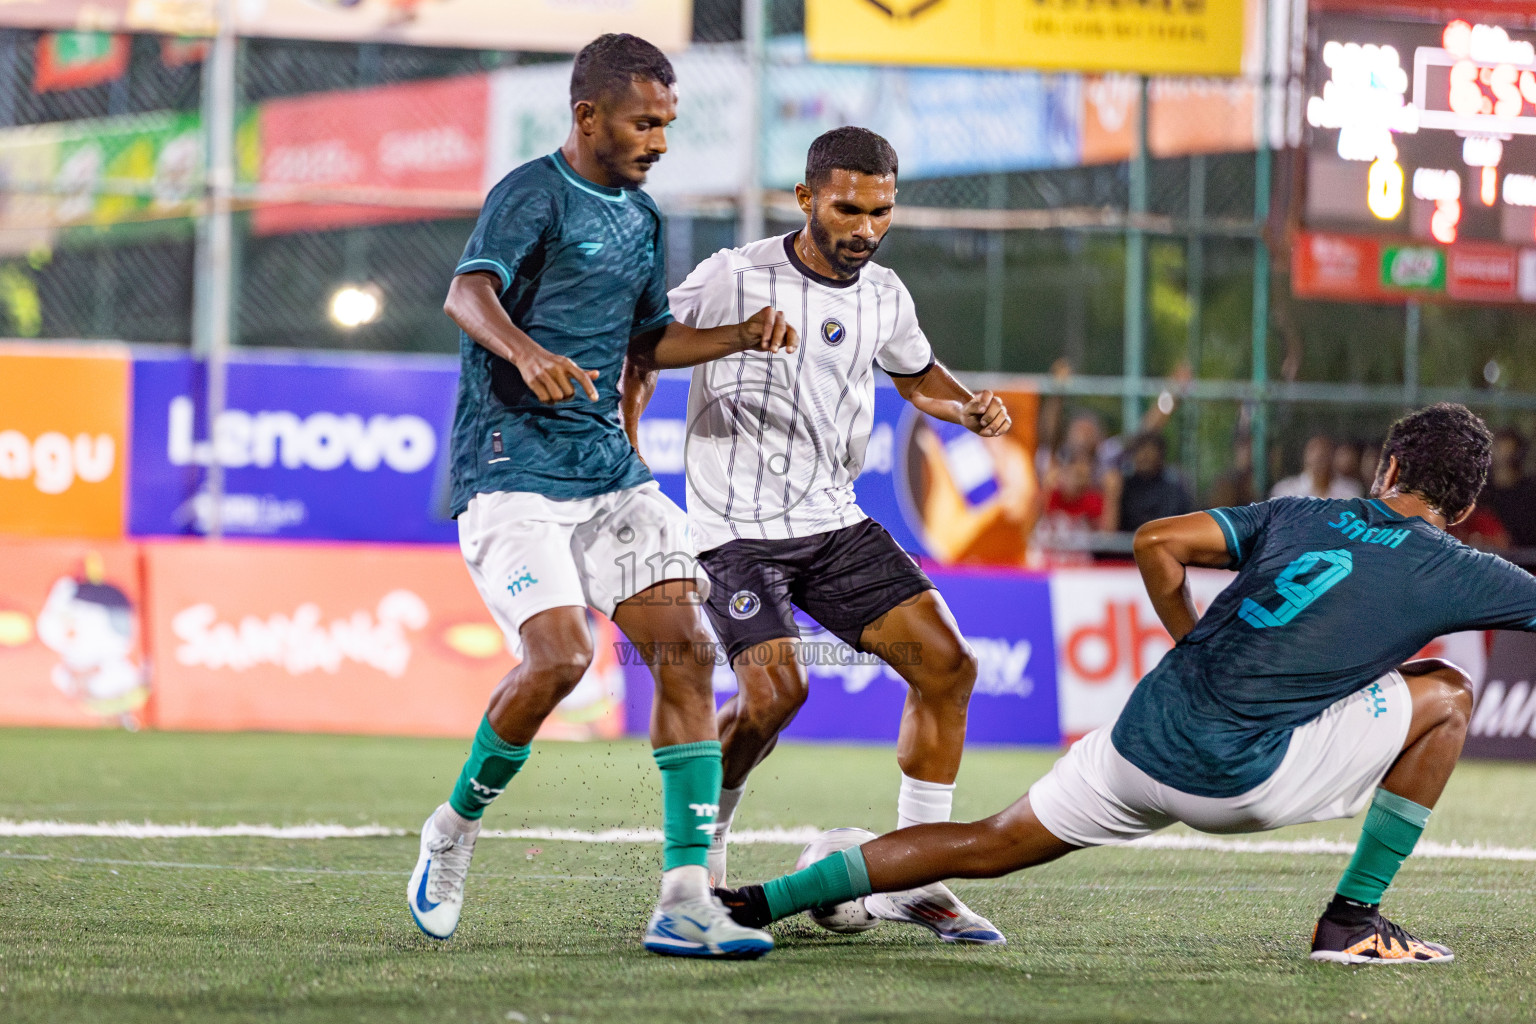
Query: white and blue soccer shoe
(937, 909)
(701, 927)
(436, 889)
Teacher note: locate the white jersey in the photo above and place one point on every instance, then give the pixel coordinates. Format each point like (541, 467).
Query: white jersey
(775, 441)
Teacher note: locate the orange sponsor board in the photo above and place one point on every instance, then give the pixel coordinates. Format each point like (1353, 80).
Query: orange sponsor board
(1187, 116)
(63, 441)
(340, 638)
(70, 645)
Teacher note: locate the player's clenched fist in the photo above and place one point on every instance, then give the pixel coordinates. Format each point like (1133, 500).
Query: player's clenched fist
(549, 376)
(986, 415)
(768, 331)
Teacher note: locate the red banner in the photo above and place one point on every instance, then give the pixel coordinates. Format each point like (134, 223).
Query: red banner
(1357, 268)
(417, 150)
(75, 60)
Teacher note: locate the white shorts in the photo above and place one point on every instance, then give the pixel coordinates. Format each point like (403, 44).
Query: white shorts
(1095, 797)
(528, 553)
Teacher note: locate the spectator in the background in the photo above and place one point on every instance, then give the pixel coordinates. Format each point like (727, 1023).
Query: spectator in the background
(1074, 508)
(1152, 490)
(1085, 430)
(1346, 464)
(1510, 493)
(1234, 488)
(1370, 458)
(1316, 479)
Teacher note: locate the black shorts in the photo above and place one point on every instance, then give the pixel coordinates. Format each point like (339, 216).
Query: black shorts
(844, 580)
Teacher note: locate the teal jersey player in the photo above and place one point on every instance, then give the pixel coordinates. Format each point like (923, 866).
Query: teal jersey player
(1216, 716)
(561, 300)
(1291, 700)
(581, 270)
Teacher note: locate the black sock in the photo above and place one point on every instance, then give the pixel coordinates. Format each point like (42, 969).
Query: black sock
(1345, 911)
(748, 906)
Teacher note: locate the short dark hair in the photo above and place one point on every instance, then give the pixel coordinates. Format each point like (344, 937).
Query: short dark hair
(608, 64)
(848, 149)
(1443, 453)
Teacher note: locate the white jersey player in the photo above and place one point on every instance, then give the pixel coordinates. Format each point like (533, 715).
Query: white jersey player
(775, 443)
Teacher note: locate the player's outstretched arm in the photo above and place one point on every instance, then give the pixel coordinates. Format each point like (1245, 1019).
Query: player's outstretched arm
(680, 345)
(941, 396)
(636, 387)
(474, 303)
(1164, 547)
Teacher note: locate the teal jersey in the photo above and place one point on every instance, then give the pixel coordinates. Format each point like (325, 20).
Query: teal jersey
(1330, 596)
(581, 269)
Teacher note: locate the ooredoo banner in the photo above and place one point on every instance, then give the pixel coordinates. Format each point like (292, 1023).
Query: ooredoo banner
(335, 449)
(425, 138)
(71, 653)
(63, 441)
(339, 638)
(1006, 619)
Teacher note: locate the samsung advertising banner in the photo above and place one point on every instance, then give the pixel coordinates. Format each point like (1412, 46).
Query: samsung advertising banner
(339, 448)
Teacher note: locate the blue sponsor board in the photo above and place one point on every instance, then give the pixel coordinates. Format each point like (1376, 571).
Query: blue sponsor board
(1005, 617)
(339, 448)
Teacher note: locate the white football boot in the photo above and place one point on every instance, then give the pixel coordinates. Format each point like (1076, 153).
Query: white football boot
(436, 890)
(701, 927)
(937, 909)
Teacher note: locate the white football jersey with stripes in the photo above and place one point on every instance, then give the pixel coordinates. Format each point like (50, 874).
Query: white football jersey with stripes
(775, 441)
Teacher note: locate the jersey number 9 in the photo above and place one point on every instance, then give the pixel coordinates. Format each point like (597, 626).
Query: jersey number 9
(1296, 593)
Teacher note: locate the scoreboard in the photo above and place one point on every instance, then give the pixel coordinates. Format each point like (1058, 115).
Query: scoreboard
(1421, 159)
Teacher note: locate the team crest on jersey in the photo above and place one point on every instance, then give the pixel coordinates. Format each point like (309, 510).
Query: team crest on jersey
(832, 331)
(744, 604)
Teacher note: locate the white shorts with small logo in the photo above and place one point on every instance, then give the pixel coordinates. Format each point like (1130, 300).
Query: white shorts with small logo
(1095, 797)
(528, 553)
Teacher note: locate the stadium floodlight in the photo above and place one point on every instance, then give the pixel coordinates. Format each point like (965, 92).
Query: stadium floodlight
(354, 305)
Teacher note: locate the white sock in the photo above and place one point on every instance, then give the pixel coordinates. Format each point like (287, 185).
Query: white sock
(689, 882)
(921, 803)
(729, 798)
(453, 823)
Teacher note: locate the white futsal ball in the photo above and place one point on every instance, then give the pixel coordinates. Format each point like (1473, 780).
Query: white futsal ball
(845, 918)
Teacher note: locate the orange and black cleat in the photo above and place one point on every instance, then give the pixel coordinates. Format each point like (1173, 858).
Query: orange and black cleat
(1376, 941)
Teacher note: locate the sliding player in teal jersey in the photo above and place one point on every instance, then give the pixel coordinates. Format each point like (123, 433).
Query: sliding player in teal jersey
(1290, 700)
(562, 280)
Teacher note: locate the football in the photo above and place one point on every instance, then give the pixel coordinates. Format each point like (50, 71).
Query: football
(844, 918)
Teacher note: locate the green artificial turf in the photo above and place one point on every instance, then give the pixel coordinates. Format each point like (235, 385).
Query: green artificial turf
(241, 929)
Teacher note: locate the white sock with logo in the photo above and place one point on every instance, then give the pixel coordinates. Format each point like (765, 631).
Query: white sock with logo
(922, 803)
(453, 823)
(681, 884)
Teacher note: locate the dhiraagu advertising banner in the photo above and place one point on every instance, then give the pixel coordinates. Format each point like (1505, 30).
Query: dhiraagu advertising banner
(336, 448)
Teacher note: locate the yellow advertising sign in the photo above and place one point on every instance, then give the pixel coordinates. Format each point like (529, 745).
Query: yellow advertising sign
(1155, 37)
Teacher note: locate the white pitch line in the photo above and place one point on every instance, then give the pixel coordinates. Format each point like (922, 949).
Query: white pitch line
(748, 837)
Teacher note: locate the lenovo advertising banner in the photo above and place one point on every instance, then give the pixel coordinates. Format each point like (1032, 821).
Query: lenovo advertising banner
(63, 440)
(336, 448)
(1005, 617)
(340, 638)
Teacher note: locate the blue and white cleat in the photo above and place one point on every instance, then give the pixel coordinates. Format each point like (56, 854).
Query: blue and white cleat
(701, 927)
(937, 909)
(436, 889)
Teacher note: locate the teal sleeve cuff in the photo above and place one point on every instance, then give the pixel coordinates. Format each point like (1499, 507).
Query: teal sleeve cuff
(668, 756)
(858, 871)
(659, 320)
(1228, 533)
(1402, 807)
(486, 263)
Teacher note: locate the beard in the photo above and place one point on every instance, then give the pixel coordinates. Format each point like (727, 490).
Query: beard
(835, 253)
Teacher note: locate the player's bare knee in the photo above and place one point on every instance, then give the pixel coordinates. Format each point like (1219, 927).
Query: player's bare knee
(769, 695)
(559, 674)
(946, 672)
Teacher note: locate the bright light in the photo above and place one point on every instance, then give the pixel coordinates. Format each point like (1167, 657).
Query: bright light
(1364, 100)
(354, 305)
(1458, 38)
(1520, 190)
(1445, 220)
(1482, 151)
(1433, 183)
(1384, 189)
(1490, 191)
(1492, 371)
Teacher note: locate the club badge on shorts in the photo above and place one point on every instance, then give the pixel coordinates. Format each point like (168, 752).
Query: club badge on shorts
(832, 331)
(744, 604)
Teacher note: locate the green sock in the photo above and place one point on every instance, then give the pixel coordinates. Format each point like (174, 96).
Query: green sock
(690, 799)
(1392, 827)
(492, 763)
(842, 876)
